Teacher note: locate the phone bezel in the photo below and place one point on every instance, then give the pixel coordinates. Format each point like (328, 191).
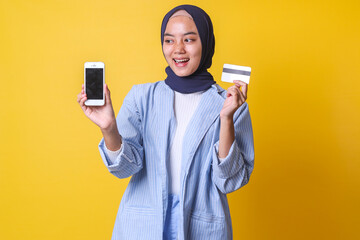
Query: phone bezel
(94, 102)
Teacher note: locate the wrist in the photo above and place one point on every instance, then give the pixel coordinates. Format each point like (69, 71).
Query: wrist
(226, 119)
(109, 128)
(112, 137)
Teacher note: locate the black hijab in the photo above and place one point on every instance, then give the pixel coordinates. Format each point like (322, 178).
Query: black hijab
(201, 79)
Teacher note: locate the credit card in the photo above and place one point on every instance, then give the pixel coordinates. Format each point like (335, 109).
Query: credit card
(234, 72)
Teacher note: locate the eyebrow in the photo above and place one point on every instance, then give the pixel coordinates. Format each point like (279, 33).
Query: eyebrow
(188, 33)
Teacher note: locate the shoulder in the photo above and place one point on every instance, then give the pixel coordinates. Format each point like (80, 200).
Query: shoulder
(145, 97)
(146, 89)
(220, 90)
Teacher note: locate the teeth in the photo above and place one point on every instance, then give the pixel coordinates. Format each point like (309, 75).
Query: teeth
(181, 60)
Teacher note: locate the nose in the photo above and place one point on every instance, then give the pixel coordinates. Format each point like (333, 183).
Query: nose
(179, 47)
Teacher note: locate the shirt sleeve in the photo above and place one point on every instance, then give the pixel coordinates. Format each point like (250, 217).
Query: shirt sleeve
(233, 171)
(217, 152)
(112, 155)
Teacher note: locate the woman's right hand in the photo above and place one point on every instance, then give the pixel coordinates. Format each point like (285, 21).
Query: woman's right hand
(102, 116)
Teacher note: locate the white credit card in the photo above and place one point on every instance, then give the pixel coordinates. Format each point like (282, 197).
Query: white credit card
(234, 72)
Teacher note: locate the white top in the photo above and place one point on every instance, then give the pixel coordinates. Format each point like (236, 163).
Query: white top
(184, 108)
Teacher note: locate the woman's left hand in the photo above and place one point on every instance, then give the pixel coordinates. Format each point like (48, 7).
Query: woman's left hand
(235, 97)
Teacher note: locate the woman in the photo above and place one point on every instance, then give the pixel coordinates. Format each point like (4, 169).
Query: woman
(185, 141)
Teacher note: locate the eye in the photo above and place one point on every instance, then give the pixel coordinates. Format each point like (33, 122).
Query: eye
(168, 41)
(190, 40)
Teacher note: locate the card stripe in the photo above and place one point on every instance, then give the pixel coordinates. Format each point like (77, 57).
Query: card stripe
(228, 70)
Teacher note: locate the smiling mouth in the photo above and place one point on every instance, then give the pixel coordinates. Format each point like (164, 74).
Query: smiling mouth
(181, 60)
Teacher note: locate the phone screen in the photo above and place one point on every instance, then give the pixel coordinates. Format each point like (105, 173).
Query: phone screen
(94, 83)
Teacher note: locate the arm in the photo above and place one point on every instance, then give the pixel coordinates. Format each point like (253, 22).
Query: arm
(130, 158)
(234, 99)
(235, 146)
(235, 169)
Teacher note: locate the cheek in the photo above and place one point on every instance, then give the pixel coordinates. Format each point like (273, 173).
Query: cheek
(197, 54)
(166, 54)
(166, 51)
(197, 51)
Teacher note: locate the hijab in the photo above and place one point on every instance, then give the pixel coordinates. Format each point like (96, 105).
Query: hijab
(201, 79)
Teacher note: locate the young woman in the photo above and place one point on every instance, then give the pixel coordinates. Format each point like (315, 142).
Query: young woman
(185, 141)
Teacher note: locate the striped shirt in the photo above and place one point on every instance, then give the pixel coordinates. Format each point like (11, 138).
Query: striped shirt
(147, 124)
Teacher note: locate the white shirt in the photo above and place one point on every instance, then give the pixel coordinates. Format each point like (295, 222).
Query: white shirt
(184, 108)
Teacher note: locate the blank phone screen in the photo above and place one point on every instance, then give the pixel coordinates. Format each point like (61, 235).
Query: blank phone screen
(94, 83)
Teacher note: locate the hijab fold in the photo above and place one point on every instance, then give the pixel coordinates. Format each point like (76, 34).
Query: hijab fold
(201, 79)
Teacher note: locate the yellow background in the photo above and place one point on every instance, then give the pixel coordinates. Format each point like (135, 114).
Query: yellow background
(304, 100)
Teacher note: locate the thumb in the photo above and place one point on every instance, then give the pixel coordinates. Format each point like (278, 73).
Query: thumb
(107, 94)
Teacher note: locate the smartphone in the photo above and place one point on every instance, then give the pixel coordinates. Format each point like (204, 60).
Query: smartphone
(94, 78)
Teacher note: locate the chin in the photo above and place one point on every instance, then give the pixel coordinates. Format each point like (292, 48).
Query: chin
(182, 73)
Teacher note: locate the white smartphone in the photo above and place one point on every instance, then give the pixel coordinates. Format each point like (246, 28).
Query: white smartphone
(94, 78)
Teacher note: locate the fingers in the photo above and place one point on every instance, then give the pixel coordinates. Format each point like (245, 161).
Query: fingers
(107, 94)
(78, 97)
(81, 97)
(236, 94)
(243, 87)
(82, 102)
(239, 97)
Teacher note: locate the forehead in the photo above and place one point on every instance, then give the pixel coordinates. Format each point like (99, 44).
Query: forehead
(181, 13)
(181, 21)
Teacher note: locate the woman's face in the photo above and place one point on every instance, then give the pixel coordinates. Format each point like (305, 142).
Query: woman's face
(182, 44)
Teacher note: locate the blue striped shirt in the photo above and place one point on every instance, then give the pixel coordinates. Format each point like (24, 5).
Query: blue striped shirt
(147, 124)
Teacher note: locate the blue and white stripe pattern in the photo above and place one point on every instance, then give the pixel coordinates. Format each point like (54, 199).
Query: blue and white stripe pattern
(147, 123)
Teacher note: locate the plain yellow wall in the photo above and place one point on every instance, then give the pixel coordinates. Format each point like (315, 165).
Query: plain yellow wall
(304, 100)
